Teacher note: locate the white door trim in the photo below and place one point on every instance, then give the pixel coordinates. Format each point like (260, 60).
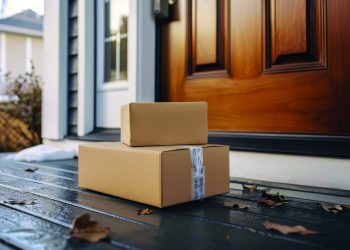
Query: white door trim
(86, 64)
(142, 69)
(54, 108)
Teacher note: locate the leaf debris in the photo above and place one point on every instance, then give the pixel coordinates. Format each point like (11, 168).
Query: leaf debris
(285, 229)
(251, 188)
(270, 203)
(237, 205)
(86, 228)
(334, 208)
(31, 169)
(272, 200)
(20, 202)
(144, 211)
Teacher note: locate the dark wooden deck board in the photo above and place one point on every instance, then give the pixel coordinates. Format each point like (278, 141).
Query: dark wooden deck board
(201, 224)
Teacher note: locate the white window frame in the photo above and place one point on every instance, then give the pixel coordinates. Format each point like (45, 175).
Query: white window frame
(100, 40)
(141, 63)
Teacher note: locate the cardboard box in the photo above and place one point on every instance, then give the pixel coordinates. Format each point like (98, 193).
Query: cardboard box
(159, 176)
(167, 123)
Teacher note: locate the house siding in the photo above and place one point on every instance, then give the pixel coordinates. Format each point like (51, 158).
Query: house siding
(15, 62)
(72, 67)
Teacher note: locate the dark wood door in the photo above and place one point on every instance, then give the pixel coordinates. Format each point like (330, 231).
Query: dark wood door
(280, 66)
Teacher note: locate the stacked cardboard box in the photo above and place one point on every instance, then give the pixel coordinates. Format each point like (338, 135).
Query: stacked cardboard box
(163, 160)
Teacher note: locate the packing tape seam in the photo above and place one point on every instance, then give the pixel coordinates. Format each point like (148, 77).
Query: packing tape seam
(198, 173)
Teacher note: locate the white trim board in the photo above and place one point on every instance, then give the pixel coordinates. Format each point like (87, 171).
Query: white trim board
(54, 103)
(86, 61)
(291, 169)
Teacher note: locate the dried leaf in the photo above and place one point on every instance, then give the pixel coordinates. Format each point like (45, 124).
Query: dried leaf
(285, 229)
(144, 211)
(346, 206)
(334, 208)
(251, 188)
(274, 197)
(237, 205)
(270, 203)
(20, 202)
(85, 228)
(31, 169)
(227, 237)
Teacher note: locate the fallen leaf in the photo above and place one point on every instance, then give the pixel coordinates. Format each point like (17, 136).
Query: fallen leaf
(228, 237)
(270, 203)
(284, 229)
(20, 202)
(251, 188)
(144, 211)
(334, 208)
(274, 197)
(230, 204)
(346, 206)
(85, 228)
(31, 169)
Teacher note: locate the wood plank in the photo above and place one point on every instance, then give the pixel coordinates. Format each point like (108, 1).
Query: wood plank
(256, 215)
(6, 245)
(43, 169)
(121, 230)
(38, 178)
(29, 232)
(64, 208)
(215, 221)
(294, 203)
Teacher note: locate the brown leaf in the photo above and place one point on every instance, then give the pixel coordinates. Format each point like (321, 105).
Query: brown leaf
(144, 211)
(85, 228)
(230, 204)
(334, 208)
(31, 169)
(270, 203)
(20, 202)
(274, 197)
(285, 229)
(251, 188)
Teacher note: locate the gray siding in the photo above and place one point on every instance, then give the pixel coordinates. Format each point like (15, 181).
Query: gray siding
(72, 66)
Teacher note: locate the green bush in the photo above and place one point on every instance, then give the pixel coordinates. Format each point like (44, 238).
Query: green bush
(25, 106)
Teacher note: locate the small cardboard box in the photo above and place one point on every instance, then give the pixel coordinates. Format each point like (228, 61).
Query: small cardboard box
(167, 123)
(159, 176)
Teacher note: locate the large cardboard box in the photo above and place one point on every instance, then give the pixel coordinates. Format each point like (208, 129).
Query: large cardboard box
(167, 123)
(159, 176)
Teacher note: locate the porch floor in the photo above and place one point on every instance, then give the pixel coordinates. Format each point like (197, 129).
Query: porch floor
(196, 225)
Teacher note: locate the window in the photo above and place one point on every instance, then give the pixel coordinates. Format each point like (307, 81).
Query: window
(115, 44)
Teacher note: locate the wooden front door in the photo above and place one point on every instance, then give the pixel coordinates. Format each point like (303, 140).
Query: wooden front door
(274, 66)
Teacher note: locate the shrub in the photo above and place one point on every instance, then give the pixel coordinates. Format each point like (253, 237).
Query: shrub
(23, 112)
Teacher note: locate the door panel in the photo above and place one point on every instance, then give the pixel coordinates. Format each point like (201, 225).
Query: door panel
(260, 65)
